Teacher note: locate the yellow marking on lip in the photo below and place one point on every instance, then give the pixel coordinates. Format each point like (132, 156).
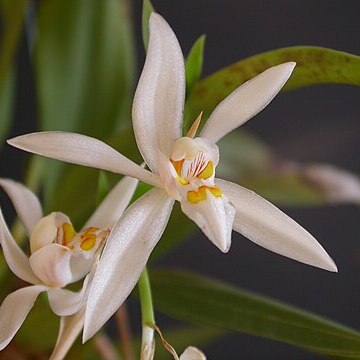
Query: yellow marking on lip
(68, 233)
(87, 242)
(194, 196)
(88, 238)
(207, 172)
(178, 166)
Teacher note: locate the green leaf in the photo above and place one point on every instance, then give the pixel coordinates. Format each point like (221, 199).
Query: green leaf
(315, 65)
(85, 70)
(12, 13)
(103, 187)
(39, 331)
(7, 92)
(77, 195)
(85, 65)
(194, 64)
(199, 300)
(146, 12)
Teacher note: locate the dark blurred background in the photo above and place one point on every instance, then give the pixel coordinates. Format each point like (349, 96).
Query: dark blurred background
(318, 124)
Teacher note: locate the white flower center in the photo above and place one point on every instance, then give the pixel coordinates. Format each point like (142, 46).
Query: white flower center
(193, 164)
(56, 247)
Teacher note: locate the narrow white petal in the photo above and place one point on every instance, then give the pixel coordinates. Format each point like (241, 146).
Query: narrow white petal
(267, 226)
(51, 264)
(192, 353)
(246, 101)
(82, 150)
(214, 216)
(159, 98)
(14, 310)
(17, 261)
(25, 202)
(113, 206)
(70, 328)
(64, 302)
(124, 257)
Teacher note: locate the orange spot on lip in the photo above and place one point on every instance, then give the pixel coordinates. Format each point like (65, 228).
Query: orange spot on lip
(178, 166)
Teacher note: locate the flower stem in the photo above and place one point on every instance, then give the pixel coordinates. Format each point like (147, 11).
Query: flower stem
(148, 318)
(147, 309)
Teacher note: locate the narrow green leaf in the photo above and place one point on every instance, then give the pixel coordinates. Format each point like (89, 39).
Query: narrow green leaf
(200, 300)
(7, 92)
(85, 65)
(194, 64)
(146, 11)
(315, 65)
(12, 13)
(85, 70)
(103, 187)
(11, 16)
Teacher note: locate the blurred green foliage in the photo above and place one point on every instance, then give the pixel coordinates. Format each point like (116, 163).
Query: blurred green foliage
(199, 300)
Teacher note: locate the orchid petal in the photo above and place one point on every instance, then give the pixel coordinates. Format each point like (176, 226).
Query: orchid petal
(14, 310)
(25, 202)
(17, 261)
(70, 328)
(51, 264)
(64, 302)
(246, 101)
(124, 257)
(80, 266)
(46, 230)
(113, 206)
(82, 150)
(215, 217)
(192, 353)
(159, 99)
(168, 175)
(269, 227)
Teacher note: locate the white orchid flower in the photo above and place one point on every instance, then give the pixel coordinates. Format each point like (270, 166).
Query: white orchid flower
(59, 256)
(183, 169)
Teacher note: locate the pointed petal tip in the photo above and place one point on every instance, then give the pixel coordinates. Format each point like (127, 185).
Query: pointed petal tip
(324, 261)
(86, 335)
(331, 266)
(12, 141)
(154, 16)
(224, 248)
(287, 67)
